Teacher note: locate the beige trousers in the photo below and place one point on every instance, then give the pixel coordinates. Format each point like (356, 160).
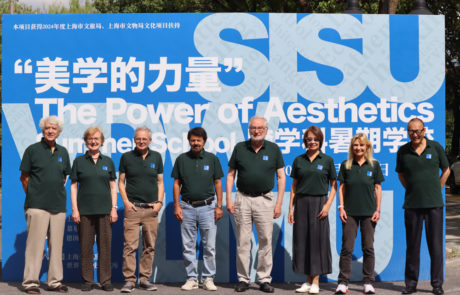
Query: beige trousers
(40, 224)
(260, 211)
(146, 218)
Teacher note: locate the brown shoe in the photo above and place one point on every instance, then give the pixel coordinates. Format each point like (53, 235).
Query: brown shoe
(61, 289)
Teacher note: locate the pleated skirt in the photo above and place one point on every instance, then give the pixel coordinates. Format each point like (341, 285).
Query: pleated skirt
(311, 243)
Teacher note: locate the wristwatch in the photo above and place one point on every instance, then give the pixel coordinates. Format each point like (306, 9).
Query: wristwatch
(115, 206)
(219, 206)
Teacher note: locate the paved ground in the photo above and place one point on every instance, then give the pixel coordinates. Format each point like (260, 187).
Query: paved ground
(451, 285)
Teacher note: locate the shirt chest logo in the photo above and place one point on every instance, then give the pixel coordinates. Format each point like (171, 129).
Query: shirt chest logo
(265, 158)
(152, 165)
(60, 159)
(428, 156)
(319, 167)
(206, 167)
(104, 168)
(369, 173)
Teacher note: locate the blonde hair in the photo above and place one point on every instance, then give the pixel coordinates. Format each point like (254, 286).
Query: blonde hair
(91, 131)
(368, 155)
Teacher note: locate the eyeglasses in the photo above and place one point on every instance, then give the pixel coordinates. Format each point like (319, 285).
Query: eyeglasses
(139, 139)
(418, 132)
(93, 138)
(309, 139)
(257, 128)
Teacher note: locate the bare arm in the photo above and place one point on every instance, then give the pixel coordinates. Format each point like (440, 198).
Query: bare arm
(325, 210)
(444, 176)
(176, 194)
(291, 201)
(230, 180)
(73, 199)
(124, 195)
(24, 180)
(161, 193)
(343, 214)
(218, 212)
(378, 201)
(281, 178)
(113, 193)
(401, 179)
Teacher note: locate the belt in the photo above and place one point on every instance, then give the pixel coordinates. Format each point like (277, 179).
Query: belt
(142, 205)
(199, 203)
(256, 194)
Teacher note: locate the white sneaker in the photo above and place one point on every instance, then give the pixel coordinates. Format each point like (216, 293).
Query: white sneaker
(208, 284)
(341, 289)
(368, 289)
(314, 289)
(190, 285)
(304, 288)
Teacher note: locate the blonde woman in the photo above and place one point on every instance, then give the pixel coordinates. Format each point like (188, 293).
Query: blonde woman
(94, 208)
(360, 195)
(312, 173)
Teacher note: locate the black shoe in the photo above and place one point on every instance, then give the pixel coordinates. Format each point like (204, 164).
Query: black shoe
(241, 287)
(409, 290)
(266, 287)
(107, 287)
(32, 290)
(61, 289)
(438, 290)
(86, 287)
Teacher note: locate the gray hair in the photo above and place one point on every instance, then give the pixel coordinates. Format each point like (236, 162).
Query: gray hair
(258, 118)
(53, 120)
(144, 128)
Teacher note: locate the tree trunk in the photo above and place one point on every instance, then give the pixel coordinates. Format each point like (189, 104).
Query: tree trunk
(304, 6)
(393, 6)
(455, 145)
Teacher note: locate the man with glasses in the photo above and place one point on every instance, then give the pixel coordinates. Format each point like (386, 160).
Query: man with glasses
(257, 161)
(418, 163)
(142, 190)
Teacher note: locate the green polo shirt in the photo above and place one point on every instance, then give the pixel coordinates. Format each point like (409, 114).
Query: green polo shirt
(421, 174)
(94, 195)
(256, 171)
(47, 172)
(313, 177)
(197, 175)
(141, 175)
(359, 199)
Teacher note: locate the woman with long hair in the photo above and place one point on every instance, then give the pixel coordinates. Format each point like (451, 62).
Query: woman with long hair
(360, 195)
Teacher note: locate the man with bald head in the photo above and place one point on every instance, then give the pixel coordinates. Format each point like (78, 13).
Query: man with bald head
(418, 164)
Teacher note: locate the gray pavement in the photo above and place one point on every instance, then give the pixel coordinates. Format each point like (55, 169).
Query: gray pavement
(451, 284)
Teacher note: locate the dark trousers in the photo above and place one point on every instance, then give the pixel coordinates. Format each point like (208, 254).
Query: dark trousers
(413, 219)
(349, 231)
(99, 226)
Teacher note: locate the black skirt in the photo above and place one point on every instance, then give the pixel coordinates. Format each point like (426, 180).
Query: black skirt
(311, 244)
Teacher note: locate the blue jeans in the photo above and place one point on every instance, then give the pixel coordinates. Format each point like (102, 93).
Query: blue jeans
(202, 218)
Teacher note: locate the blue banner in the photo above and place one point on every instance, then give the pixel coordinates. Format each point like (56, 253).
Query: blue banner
(170, 72)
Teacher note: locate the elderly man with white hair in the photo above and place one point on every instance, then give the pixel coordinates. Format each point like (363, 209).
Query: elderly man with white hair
(44, 168)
